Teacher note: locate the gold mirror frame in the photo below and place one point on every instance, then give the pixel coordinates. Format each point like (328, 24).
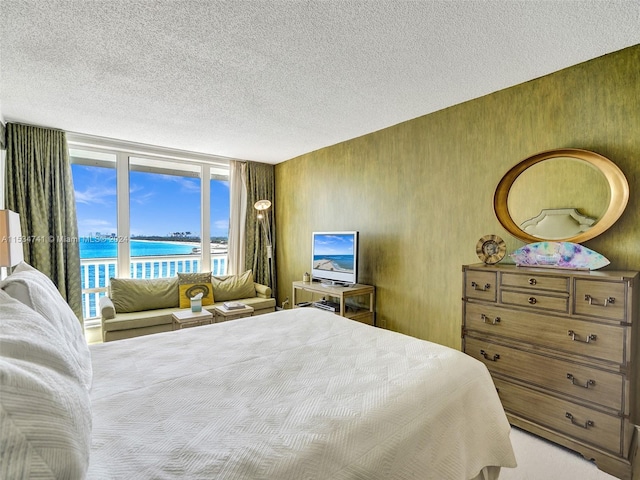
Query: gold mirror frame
(618, 188)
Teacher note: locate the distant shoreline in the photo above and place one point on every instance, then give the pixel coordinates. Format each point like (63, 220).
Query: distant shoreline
(171, 242)
(106, 248)
(178, 242)
(329, 265)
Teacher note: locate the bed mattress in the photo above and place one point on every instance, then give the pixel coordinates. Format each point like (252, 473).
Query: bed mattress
(297, 394)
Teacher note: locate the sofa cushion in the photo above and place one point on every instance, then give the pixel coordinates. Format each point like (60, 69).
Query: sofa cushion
(153, 318)
(146, 318)
(233, 287)
(136, 295)
(258, 303)
(190, 284)
(262, 290)
(111, 335)
(107, 309)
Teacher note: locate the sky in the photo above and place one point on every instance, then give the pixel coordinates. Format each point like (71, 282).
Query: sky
(159, 204)
(332, 244)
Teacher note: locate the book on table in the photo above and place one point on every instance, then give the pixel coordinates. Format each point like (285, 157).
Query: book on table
(233, 305)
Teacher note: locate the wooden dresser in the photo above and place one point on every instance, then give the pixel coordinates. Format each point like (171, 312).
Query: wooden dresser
(561, 346)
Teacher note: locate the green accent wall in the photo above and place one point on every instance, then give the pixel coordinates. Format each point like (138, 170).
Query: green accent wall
(421, 193)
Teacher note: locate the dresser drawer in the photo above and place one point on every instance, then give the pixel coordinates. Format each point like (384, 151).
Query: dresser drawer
(481, 285)
(536, 300)
(596, 298)
(565, 335)
(580, 422)
(536, 282)
(590, 384)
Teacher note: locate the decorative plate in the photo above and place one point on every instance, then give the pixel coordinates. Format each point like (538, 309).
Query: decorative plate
(558, 255)
(491, 249)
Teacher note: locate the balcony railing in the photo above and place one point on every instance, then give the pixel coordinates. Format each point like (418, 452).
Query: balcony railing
(96, 272)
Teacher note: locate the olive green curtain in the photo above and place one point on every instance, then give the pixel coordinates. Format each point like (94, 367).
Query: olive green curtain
(39, 187)
(260, 186)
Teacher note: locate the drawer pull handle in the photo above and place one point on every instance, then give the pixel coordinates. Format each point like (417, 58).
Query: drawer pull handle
(532, 281)
(532, 300)
(587, 424)
(593, 302)
(591, 337)
(486, 357)
(485, 319)
(477, 287)
(589, 383)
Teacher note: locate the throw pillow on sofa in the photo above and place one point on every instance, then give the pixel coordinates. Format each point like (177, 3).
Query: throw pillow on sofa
(137, 295)
(233, 287)
(190, 284)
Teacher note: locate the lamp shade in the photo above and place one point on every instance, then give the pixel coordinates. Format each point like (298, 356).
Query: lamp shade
(11, 252)
(262, 205)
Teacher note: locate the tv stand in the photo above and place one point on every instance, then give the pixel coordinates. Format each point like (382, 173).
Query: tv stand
(335, 283)
(361, 309)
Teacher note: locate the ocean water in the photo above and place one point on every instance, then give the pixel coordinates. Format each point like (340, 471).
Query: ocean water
(96, 275)
(340, 262)
(108, 248)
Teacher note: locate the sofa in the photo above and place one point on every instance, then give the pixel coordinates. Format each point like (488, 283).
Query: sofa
(134, 307)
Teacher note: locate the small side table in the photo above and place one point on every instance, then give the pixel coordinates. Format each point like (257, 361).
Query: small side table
(187, 318)
(223, 314)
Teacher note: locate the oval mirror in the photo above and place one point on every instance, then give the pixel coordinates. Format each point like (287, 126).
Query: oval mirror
(567, 195)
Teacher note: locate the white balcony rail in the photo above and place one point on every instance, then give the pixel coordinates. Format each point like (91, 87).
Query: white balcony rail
(96, 272)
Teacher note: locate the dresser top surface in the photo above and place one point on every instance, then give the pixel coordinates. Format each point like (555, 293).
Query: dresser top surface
(511, 268)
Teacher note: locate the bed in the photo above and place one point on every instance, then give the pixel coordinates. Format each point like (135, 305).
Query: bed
(296, 394)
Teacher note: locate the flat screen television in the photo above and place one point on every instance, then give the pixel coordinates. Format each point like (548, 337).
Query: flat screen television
(334, 257)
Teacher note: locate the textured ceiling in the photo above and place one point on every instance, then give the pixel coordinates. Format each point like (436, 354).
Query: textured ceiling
(270, 80)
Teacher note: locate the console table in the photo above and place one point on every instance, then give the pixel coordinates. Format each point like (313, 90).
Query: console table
(360, 309)
(223, 314)
(186, 318)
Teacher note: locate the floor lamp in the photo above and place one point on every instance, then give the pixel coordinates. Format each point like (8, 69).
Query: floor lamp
(262, 206)
(11, 253)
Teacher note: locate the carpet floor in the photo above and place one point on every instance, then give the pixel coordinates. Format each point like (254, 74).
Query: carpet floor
(539, 459)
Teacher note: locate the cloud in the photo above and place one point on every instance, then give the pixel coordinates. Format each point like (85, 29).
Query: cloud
(142, 198)
(87, 226)
(221, 224)
(96, 195)
(139, 194)
(96, 222)
(187, 185)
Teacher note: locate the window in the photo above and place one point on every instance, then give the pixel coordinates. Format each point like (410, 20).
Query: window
(219, 223)
(165, 216)
(141, 211)
(95, 192)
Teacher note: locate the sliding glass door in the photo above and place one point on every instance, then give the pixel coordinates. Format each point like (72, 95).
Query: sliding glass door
(142, 211)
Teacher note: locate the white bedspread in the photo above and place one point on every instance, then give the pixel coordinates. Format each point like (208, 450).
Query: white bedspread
(298, 394)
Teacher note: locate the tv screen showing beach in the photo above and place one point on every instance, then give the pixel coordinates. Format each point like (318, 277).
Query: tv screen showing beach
(333, 252)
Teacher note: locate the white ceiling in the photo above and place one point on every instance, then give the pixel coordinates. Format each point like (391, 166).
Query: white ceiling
(271, 80)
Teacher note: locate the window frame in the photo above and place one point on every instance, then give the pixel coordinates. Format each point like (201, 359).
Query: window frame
(209, 167)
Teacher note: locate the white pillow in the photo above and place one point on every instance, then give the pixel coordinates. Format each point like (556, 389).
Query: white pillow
(34, 289)
(45, 411)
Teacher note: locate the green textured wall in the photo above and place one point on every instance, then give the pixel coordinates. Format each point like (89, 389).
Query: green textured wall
(421, 192)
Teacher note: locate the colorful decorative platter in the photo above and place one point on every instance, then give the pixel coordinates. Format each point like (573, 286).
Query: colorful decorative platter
(558, 255)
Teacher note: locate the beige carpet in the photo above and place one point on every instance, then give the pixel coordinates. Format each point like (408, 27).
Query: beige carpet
(542, 460)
